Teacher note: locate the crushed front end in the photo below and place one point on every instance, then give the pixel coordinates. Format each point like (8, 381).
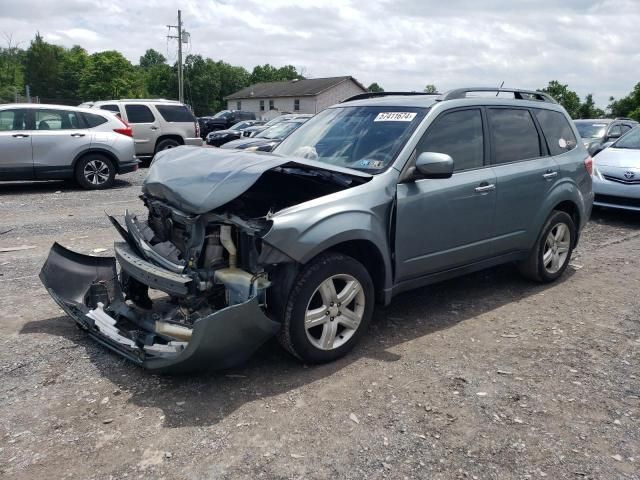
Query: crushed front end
(189, 293)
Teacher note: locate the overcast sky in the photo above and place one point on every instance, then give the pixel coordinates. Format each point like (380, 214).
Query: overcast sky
(591, 45)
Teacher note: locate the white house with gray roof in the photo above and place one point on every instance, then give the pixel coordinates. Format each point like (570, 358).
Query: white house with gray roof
(311, 95)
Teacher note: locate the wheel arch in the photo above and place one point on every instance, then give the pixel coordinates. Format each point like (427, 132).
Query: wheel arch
(169, 136)
(102, 151)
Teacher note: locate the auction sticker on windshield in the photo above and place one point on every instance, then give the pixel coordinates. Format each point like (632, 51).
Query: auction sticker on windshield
(395, 117)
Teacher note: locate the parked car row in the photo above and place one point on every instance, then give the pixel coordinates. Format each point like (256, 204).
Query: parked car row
(220, 137)
(268, 139)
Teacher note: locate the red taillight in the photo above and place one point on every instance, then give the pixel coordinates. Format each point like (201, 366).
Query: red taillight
(588, 164)
(126, 130)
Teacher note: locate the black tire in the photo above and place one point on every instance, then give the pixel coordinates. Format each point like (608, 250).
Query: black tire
(534, 267)
(102, 168)
(293, 334)
(166, 144)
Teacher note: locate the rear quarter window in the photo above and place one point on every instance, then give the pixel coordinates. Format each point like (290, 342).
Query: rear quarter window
(93, 120)
(176, 113)
(557, 131)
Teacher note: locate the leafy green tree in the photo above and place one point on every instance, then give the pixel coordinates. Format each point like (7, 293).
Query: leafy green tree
(11, 71)
(628, 106)
(375, 88)
(73, 65)
(269, 73)
(430, 88)
(588, 108)
(43, 68)
(232, 79)
(565, 97)
(109, 75)
(202, 83)
(152, 58)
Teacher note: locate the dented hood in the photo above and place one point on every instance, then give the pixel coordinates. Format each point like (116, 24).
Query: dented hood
(197, 180)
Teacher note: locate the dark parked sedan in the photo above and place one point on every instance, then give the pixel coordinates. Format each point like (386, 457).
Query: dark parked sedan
(221, 137)
(267, 140)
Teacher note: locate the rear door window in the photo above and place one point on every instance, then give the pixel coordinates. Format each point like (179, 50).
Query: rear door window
(556, 130)
(459, 135)
(139, 114)
(48, 119)
(514, 136)
(176, 113)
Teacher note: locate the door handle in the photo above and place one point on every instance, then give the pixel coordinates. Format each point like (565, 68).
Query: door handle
(154, 128)
(549, 175)
(76, 135)
(485, 188)
(20, 135)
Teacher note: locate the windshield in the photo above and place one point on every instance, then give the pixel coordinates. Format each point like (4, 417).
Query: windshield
(280, 130)
(240, 125)
(630, 140)
(364, 138)
(591, 130)
(276, 120)
(222, 114)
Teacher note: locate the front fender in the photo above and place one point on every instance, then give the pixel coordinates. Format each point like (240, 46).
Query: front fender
(306, 234)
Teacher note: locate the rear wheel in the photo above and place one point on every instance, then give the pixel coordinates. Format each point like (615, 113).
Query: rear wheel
(328, 310)
(95, 172)
(166, 144)
(551, 254)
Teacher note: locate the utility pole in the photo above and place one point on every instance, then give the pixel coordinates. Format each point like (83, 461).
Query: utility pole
(182, 37)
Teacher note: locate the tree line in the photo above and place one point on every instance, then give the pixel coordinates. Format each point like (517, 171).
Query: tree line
(56, 74)
(628, 106)
(71, 76)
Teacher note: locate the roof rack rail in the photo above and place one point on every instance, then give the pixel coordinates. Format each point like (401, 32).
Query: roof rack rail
(624, 118)
(364, 96)
(518, 94)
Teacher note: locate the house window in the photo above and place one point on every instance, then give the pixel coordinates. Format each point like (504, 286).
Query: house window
(296, 105)
(238, 105)
(271, 106)
(262, 105)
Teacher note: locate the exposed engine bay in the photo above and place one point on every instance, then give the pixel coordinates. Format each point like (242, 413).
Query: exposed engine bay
(191, 286)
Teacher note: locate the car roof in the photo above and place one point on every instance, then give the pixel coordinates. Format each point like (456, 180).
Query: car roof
(594, 120)
(468, 96)
(52, 107)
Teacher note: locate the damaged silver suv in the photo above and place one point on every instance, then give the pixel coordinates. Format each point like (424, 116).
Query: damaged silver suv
(374, 196)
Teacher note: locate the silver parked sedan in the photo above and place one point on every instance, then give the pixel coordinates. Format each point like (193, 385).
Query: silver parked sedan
(47, 142)
(616, 176)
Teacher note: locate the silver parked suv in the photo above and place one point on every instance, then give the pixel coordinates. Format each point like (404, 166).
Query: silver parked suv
(45, 142)
(374, 196)
(157, 124)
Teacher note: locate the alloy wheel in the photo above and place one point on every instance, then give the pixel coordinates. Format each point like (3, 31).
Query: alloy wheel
(96, 172)
(556, 248)
(334, 312)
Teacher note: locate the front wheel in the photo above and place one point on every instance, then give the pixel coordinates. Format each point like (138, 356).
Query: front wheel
(551, 254)
(328, 310)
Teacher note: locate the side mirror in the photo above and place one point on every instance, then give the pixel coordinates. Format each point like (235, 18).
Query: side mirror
(434, 165)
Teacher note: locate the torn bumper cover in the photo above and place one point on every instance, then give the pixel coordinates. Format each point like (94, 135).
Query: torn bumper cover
(88, 289)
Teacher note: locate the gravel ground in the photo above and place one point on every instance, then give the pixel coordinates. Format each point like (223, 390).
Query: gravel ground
(485, 376)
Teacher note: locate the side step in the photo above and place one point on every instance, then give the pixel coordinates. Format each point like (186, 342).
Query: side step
(149, 274)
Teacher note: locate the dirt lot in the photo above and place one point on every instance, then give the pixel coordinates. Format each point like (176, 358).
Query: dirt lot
(486, 376)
